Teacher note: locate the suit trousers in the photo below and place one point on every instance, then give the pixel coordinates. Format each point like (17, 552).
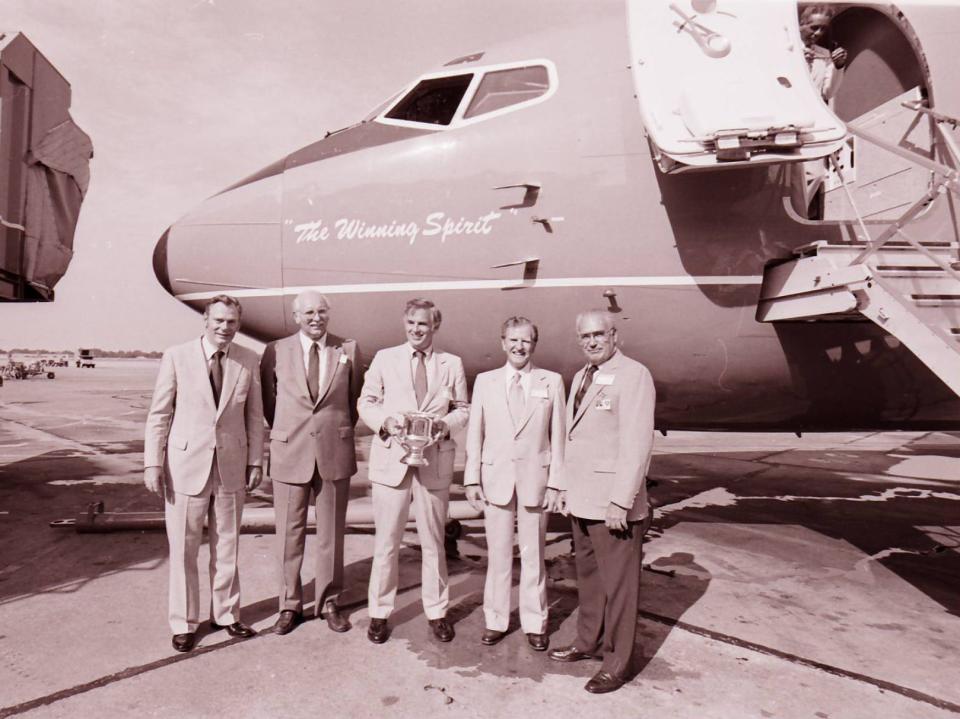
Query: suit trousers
(531, 525)
(290, 503)
(608, 584)
(391, 508)
(185, 515)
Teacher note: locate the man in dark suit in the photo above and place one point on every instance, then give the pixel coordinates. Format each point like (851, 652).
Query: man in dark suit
(606, 458)
(203, 447)
(310, 388)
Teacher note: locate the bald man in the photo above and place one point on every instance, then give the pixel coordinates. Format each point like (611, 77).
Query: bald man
(310, 387)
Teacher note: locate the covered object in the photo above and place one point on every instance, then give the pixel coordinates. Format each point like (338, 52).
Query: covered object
(44, 172)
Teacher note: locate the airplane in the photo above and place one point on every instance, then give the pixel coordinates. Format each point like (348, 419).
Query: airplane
(653, 159)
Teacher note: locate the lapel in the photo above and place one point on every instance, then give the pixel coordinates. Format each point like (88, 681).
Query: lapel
(499, 405)
(434, 378)
(292, 357)
(610, 367)
(403, 366)
(331, 356)
(538, 380)
(231, 373)
(573, 393)
(200, 362)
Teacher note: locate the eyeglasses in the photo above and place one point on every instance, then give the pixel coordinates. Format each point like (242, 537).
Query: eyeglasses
(587, 337)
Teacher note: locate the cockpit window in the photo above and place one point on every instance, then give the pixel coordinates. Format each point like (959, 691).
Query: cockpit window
(433, 101)
(503, 88)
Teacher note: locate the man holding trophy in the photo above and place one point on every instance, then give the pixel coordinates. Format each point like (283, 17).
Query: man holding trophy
(413, 397)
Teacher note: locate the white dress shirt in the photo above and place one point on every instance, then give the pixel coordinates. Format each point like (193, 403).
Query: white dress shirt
(429, 360)
(525, 379)
(210, 349)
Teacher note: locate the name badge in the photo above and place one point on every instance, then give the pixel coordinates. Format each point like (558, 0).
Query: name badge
(540, 392)
(604, 404)
(603, 379)
(343, 359)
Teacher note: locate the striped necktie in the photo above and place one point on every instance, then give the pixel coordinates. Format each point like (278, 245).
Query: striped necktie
(587, 381)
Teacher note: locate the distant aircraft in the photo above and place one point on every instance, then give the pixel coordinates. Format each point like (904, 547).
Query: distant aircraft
(652, 159)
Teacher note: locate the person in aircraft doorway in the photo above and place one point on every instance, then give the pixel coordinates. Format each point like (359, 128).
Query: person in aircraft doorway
(826, 71)
(826, 66)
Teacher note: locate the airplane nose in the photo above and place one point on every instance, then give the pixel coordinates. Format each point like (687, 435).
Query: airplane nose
(229, 244)
(160, 262)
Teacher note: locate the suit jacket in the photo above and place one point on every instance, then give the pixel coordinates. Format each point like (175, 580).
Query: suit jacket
(609, 440)
(527, 456)
(304, 433)
(388, 391)
(185, 427)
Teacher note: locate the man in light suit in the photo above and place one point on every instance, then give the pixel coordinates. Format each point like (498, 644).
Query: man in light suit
(413, 376)
(514, 456)
(310, 387)
(607, 454)
(203, 448)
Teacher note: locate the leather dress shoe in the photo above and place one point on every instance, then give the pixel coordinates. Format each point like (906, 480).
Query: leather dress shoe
(184, 642)
(335, 620)
(442, 629)
(491, 637)
(538, 642)
(378, 632)
(287, 620)
(570, 654)
(603, 682)
(237, 629)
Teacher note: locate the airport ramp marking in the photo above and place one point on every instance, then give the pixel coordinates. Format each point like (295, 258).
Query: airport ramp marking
(711, 634)
(882, 684)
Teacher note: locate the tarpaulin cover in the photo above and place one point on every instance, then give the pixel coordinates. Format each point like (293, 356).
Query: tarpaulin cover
(57, 179)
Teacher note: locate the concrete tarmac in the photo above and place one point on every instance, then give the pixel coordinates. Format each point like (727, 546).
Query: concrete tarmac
(786, 577)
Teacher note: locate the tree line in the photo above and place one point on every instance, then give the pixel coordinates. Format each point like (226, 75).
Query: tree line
(95, 351)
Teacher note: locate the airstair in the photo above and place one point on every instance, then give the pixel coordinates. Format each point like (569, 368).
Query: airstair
(908, 286)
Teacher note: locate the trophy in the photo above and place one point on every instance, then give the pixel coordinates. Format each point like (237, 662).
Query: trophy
(416, 434)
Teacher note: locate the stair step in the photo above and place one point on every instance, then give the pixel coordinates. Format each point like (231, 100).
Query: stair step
(931, 273)
(904, 246)
(922, 284)
(944, 301)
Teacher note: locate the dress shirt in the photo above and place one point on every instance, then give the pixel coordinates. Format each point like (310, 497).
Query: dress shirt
(429, 360)
(599, 370)
(525, 379)
(210, 349)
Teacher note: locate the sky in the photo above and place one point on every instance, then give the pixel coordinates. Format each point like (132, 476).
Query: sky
(184, 97)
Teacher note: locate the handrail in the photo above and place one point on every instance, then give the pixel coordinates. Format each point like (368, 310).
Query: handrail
(948, 178)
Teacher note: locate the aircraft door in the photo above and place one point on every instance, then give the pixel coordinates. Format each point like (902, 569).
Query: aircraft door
(725, 82)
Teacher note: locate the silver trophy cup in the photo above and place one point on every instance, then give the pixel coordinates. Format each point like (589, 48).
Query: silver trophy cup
(416, 434)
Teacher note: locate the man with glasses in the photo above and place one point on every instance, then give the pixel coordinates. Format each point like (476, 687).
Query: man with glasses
(311, 381)
(606, 457)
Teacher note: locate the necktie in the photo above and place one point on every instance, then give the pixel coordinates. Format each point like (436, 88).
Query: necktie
(216, 376)
(587, 381)
(313, 371)
(420, 378)
(515, 399)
